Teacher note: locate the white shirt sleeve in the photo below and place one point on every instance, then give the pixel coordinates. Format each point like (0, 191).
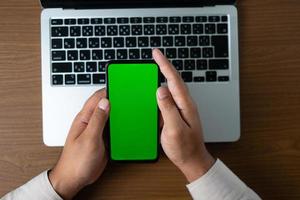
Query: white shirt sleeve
(220, 183)
(36, 189)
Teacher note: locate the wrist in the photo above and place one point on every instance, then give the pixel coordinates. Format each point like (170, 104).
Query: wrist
(197, 167)
(66, 189)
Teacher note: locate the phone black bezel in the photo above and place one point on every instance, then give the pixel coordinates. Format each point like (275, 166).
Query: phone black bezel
(108, 120)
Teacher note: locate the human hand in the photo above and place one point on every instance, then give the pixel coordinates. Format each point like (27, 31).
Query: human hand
(181, 136)
(84, 156)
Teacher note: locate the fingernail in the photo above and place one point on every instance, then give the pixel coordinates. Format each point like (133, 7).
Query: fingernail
(103, 104)
(162, 93)
(158, 51)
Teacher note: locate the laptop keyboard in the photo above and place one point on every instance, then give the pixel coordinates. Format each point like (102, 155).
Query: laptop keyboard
(196, 45)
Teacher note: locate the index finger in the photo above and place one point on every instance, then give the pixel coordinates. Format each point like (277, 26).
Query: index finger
(176, 85)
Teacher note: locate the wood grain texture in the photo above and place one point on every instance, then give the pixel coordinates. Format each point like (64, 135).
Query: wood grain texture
(267, 157)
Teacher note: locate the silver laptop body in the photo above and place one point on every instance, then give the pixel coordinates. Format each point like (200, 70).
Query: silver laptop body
(218, 101)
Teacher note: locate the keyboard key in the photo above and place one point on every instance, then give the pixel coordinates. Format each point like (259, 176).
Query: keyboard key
(143, 41)
(124, 30)
(185, 28)
(199, 79)
(81, 43)
(70, 21)
(112, 30)
(99, 30)
(97, 54)
(69, 43)
(223, 78)
(102, 66)
(213, 18)
(58, 55)
(222, 28)
(72, 55)
(171, 53)
(96, 21)
(146, 53)
(109, 20)
(189, 65)
(201, 19)
(70, 79)
(94, 43)
(83, 21)
(123, 20)
(109, 54)
(175, 19)
(192, 41)
(204, 41)
(136, 29)
(148, 19)
(91, 67)
(221, 45)
(211, 76)
(98, 78)
(179, 41)
(87, 30)
(85, 55)
(178, 64)
(130, 42)
(149, 29)
(197, 28)
(57, 79)
(122, 54)
(83, 79)
(56, 43)
(161, 19)
(219, 64)
(106, 42)
(135, 20)
(173, 29)
(161, 29)
(167, 41)
(134, 54)
(59, 31)
(224, 18)
(195, 52)
(79, 67)
(210, 28)
(75, 31)
(201, 64)
(118, 42)
(183, 52)
(56, 21)
(188, 19)
(61, 67)
(187, 76)
(207, 52)
(155, 41)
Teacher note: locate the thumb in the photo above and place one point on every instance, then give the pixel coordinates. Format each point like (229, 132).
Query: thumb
(168, 108)
(99, 118)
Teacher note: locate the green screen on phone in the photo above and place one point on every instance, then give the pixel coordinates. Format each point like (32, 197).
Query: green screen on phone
(133, 120)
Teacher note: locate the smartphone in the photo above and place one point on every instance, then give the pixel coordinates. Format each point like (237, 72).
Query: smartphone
(133, 120)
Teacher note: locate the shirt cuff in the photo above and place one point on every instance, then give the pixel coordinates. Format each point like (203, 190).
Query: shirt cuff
(36, 189)
(48, 187)
(218, 183)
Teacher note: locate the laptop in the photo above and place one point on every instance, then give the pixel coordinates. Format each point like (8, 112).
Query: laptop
(200, 38)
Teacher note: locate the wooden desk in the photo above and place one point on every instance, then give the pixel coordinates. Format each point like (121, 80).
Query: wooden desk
(267, 157)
